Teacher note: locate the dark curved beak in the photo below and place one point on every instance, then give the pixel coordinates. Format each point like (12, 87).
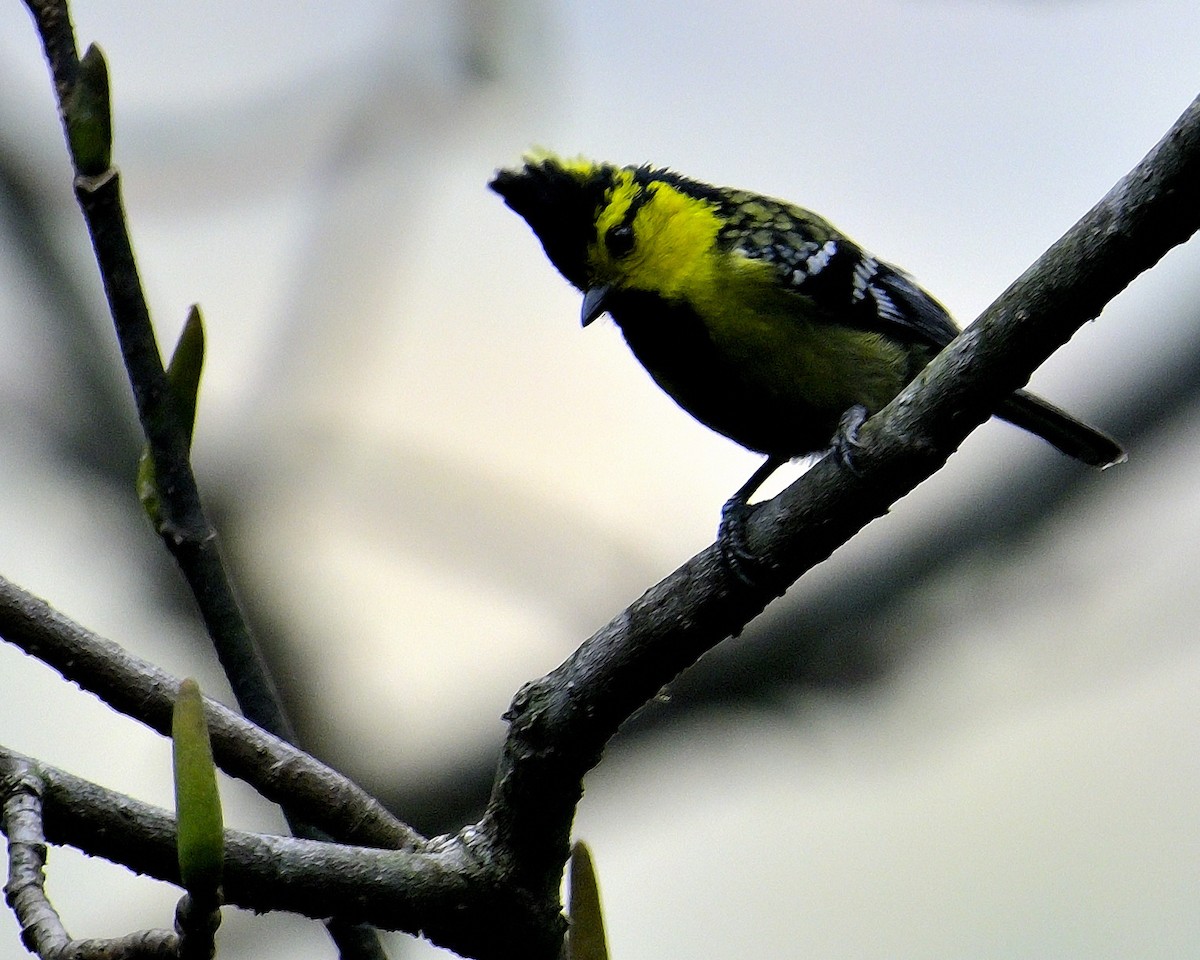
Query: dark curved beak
(594, 303)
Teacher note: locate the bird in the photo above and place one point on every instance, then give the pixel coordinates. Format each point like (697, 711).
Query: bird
(756, 316)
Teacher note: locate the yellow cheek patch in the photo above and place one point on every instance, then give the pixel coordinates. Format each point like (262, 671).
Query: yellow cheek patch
(673, 235)
(680, 232)
(674, 238)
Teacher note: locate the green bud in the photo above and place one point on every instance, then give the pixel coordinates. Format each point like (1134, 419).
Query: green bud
(89, 115)
(585, 936)
(183, 377)
(187, 363)
(200, 844)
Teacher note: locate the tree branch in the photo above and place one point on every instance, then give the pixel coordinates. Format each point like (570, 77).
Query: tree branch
(83, 97)
(42, 931)
(276, 769)
(442, 891)
(492, 891)
(560, 723)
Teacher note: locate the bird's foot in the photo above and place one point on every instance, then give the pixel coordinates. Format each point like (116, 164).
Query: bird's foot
(845, 442)
(743, 563)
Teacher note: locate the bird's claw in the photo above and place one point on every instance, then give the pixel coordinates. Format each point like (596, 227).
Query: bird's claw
(732, 542)
(845, 442)
(743, 563)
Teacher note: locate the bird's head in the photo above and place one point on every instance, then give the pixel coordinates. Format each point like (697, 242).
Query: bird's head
(612, 229)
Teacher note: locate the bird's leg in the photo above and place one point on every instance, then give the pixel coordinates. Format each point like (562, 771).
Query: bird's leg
(845, 441)
(731, 537)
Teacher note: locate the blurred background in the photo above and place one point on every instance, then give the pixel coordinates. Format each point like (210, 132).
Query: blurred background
(972, 733)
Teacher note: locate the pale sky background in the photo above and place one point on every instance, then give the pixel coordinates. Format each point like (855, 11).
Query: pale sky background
(440, 485)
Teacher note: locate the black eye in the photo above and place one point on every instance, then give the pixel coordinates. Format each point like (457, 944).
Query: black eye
(619, 240)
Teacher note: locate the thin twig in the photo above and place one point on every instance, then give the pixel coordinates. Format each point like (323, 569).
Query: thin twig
(139, 689)
(42, 931)
(186, 529)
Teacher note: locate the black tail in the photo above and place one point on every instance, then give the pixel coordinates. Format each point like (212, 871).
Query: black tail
(1057, 427)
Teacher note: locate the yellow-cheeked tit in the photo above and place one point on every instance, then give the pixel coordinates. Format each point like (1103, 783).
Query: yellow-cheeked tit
(758, 317)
